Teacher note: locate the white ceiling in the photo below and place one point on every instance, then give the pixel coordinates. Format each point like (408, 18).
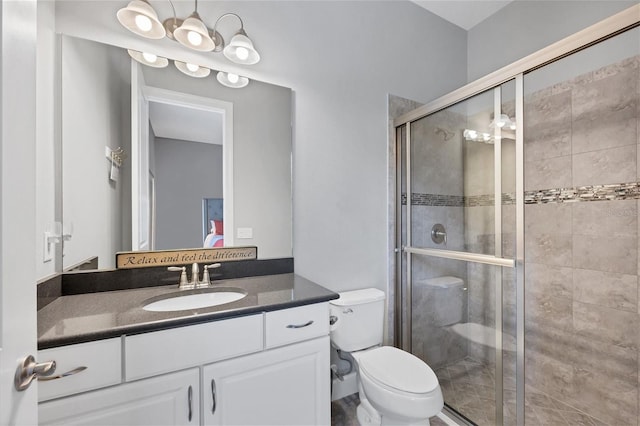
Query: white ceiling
(183, 123)
(463, 13)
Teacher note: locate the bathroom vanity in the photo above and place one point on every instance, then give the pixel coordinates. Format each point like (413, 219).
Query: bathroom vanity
(261, 360)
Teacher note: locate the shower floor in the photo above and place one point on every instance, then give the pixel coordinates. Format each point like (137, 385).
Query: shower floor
(468, 387)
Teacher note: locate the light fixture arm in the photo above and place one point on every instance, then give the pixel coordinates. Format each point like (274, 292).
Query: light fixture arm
(175, 16)
(173, 8)
(229, 14)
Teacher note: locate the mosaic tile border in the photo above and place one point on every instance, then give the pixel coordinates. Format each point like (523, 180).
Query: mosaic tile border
(622, 191)
(418, 199)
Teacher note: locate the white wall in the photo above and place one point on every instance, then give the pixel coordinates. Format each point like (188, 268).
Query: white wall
(341, 59)
(525, 26)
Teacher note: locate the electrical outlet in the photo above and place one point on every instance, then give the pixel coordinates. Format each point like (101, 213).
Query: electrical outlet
(244, 233)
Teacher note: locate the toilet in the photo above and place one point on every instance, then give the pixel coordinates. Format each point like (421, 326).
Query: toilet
(395, 387)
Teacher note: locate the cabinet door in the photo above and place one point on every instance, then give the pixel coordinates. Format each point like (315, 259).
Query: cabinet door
(172, 399)
(284, 386)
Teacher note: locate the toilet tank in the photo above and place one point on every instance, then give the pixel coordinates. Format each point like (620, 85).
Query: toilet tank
(359, 319)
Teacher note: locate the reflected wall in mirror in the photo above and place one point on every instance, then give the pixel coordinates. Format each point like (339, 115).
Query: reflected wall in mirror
(96, 113)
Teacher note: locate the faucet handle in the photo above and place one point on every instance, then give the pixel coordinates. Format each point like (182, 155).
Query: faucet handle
(205, 275)
(183, 276)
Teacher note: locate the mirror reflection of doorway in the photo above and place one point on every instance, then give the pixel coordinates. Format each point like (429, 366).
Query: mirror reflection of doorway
(186, 157)
(213, 222)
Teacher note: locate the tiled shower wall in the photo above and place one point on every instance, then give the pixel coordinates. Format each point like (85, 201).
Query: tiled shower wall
(581, 244)
(437, 197)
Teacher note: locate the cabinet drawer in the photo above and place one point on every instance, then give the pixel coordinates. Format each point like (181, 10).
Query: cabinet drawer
(296, 324)
(171, 399)
(164, 351)
(103, 362)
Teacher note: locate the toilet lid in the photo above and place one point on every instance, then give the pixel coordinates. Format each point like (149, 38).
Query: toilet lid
(398, 369)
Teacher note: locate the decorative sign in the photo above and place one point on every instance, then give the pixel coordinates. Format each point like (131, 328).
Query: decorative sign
(145, 259)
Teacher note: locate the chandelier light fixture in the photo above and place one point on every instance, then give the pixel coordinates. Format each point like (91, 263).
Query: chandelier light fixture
(140, 18)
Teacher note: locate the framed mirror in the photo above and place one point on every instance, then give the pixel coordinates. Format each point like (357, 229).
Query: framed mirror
(204, 142)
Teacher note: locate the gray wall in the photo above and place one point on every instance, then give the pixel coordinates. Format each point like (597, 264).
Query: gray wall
(523, 27)
(185, 172)
(341, 59)
(261, 156)
(95, 115)
(45, 133)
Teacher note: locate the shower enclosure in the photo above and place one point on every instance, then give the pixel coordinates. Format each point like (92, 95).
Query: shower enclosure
(517, 229)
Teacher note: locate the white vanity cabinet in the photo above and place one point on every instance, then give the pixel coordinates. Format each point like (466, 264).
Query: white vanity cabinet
(269, 369)
(287, 385)
(170, 399)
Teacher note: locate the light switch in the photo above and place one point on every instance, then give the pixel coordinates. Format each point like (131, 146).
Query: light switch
(244, 233)
(48, 249)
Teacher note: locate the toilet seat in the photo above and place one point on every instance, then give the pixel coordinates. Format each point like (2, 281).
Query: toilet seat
(398, 371)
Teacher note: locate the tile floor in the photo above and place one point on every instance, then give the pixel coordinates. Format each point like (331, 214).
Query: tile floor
(468, 387)
(343, 412)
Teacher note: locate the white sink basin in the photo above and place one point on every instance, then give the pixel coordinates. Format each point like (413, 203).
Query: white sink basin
(193, 299)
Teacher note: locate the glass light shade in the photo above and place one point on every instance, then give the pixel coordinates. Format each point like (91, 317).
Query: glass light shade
(241, 51)
(140, 18)
(194, 34)
(192, 70)
(231, 80)
(149, 59)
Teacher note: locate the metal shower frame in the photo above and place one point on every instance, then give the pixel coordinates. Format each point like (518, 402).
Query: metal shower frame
(603, 30)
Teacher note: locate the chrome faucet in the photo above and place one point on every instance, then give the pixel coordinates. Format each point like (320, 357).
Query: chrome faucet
(195, 276)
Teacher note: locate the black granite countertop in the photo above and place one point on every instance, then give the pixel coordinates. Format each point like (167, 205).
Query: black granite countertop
(93, 316)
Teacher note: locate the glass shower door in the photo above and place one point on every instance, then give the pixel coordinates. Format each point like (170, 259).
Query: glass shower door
(458, 216)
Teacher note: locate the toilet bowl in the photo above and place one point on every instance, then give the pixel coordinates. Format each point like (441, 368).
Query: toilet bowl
(396, 388)
(398, 385)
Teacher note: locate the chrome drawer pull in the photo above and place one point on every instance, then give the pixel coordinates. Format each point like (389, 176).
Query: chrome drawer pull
(190, 395)
(213, 395)
(300, 325)
(60, 376)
